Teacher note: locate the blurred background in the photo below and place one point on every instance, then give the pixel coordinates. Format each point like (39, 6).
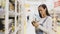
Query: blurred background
(20, 14)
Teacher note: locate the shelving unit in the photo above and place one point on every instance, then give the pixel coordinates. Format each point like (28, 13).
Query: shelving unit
(8, 15)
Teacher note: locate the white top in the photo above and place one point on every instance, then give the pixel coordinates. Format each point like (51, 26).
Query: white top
(47, 25)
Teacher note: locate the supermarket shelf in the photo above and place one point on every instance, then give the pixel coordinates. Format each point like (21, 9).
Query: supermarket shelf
(17, 28)
(11, 14)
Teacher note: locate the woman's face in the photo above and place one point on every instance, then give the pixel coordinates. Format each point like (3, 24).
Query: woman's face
(42, 10)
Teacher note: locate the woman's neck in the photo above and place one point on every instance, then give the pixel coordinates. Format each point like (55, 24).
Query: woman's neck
(44, 15)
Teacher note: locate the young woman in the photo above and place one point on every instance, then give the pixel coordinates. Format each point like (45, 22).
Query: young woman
(44, 25)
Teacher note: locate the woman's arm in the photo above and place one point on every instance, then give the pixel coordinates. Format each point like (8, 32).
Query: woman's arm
(43, 29)
(46, 30)
(49, 26)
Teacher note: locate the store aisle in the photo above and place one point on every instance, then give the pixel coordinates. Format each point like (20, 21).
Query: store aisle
(30, 29)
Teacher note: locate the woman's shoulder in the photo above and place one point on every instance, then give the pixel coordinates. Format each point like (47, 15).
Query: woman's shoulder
(49, 20)
(49, 17)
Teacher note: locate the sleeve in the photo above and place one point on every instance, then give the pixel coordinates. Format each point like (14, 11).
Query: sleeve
(49, 23)
(43, 29)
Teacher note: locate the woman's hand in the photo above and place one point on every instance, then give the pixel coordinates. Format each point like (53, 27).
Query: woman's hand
(35, 23)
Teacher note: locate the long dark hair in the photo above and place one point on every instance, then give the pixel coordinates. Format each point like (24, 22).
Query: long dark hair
(44, 6)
